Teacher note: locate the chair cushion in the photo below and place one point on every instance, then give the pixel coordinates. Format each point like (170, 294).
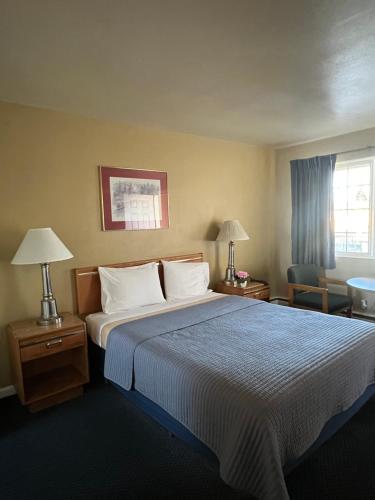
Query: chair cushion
(314, 300)
(306, 274)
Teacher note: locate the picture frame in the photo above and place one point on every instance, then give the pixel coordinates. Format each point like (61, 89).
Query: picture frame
(133, 199)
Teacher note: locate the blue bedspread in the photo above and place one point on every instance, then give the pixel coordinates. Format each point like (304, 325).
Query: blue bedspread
(125, 338)
(255, 382)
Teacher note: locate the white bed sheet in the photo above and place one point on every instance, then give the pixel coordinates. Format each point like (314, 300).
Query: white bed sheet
(95, 322)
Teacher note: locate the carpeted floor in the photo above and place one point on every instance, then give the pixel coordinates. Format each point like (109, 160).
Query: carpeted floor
(101, 447)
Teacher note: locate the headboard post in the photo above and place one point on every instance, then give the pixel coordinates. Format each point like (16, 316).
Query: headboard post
(87, 281)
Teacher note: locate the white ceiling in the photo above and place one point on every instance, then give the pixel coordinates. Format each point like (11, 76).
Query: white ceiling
(258, 71)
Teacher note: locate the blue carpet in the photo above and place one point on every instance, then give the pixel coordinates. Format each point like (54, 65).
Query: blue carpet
(101, 447)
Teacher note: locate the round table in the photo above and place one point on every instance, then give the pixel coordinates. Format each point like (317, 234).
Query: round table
(367, 284)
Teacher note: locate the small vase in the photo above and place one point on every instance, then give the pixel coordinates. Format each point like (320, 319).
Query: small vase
(243, 284)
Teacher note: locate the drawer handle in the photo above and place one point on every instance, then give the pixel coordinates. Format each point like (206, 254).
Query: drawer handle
(53, 343)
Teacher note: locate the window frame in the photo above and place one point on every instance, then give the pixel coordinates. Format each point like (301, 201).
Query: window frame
(371, 226)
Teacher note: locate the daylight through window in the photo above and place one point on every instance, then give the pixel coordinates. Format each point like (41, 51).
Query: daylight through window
(353, 203)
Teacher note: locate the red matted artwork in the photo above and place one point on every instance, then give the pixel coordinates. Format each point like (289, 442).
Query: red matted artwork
(133, 199)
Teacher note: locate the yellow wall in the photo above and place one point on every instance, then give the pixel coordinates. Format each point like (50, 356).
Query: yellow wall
(49, 177)
(345, 267)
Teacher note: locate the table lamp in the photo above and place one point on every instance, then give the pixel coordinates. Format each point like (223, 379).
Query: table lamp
(42, 246)
(231, 231)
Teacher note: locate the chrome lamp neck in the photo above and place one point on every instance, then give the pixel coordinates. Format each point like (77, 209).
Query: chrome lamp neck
(230, 273)
(49, 314)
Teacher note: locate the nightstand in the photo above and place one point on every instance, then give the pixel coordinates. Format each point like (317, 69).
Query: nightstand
(253, 290)
(49, 363)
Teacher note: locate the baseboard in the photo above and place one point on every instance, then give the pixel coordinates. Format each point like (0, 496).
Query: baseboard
(8, 390)
(361, 314)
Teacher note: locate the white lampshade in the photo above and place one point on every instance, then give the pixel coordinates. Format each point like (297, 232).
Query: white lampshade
(39, 246)
(231, 230)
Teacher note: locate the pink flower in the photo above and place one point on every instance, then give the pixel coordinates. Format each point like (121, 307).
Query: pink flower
(242, 274)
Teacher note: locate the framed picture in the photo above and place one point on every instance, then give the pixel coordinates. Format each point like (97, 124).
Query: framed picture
(133, 199)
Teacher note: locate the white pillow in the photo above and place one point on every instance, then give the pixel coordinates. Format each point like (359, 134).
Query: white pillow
(185, 279)
(128, 287)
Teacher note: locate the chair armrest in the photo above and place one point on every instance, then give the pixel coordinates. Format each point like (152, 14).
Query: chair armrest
(332, 281)
(307, 288)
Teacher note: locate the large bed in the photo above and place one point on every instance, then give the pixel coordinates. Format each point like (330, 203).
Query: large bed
(260, 385)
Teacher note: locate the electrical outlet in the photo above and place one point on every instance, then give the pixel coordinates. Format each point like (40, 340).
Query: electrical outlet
(364, 304)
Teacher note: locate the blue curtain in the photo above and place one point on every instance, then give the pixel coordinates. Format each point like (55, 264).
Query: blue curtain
(313, 236)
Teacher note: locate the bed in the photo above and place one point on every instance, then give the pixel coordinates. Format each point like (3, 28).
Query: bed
(260, 385)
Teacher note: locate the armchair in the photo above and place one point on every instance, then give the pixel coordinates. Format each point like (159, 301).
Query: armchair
(308, 290)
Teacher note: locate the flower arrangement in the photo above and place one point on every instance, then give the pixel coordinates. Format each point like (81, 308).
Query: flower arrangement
(242, 276)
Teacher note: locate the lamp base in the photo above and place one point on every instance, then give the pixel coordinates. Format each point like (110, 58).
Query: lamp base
(50, 321)
(230, 274)
(49, 314)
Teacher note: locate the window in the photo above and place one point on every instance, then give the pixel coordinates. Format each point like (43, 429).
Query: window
(353, 203)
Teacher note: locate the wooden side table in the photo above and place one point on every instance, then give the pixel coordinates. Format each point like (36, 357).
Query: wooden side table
(253, 290)
(49, 363)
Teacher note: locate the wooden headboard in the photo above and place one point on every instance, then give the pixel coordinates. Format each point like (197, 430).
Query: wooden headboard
(87, 281)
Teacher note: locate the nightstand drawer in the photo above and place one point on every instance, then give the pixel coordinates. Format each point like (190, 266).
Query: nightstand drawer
(261, 295)
(52, 346)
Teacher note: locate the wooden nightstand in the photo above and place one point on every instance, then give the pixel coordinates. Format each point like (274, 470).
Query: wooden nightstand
(49, 363)
(253, 290)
